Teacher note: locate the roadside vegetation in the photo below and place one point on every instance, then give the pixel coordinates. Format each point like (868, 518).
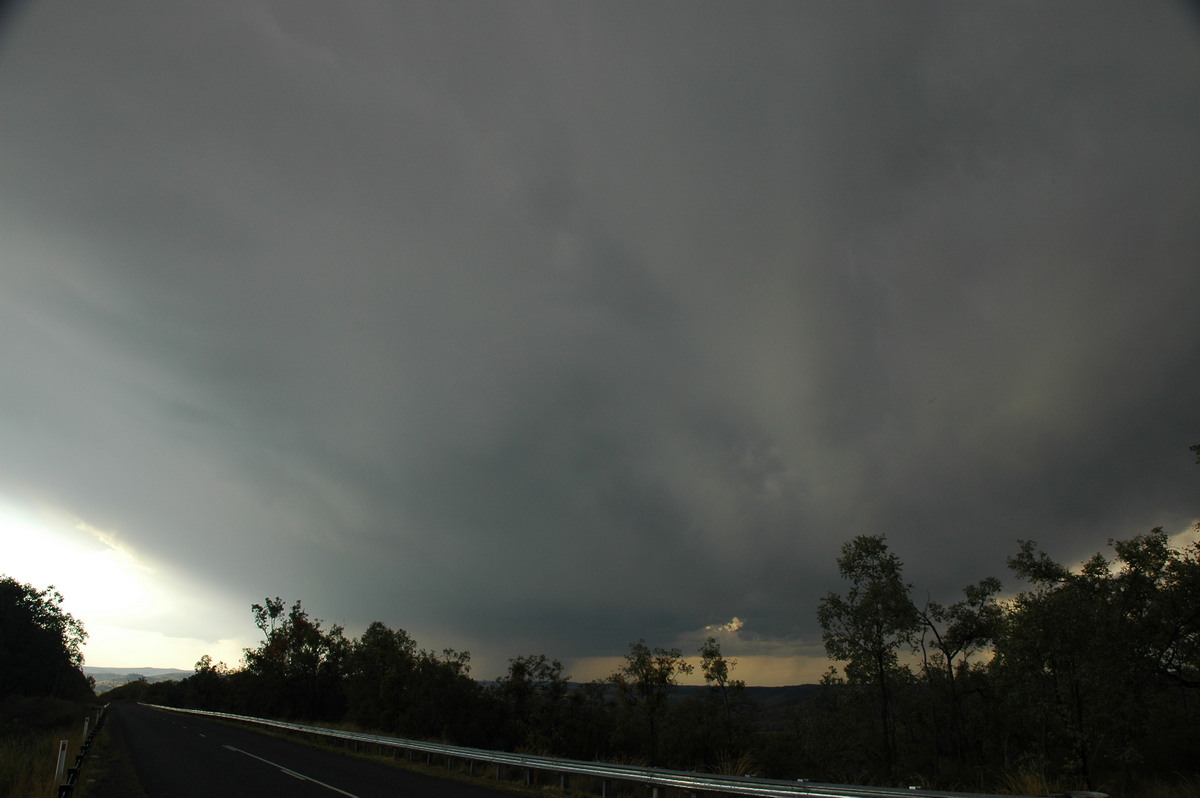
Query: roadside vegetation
(44, 695)
(32, 729)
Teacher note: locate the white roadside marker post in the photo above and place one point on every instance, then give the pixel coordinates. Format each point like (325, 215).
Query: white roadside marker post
(62, 761)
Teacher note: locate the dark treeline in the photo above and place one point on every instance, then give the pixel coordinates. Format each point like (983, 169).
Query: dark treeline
(1086, 678)
(41, 645)
(43, 691)
(385, 682)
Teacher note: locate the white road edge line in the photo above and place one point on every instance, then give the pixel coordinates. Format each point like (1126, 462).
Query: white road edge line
(291, 772)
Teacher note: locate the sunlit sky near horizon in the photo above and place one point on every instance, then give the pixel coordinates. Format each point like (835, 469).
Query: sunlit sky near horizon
(537, 327)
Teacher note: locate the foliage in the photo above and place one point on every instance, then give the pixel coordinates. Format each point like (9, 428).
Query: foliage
(867, 627)
(299, 662)
(950, 637)
(727, 715)
(535, 696)
(1093, 650)
(644, 683)
(1088, 677)
(42, 644)
(379, 671)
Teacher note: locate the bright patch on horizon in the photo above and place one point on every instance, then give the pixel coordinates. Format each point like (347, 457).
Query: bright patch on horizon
(733, 626)
(126, 605)
(98, 584)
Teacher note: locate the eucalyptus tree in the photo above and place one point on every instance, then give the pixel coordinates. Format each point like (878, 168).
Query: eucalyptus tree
(729, 695)
(644, 684)
(1088, 649)
(298, 664)
(950, 637)
(534, 693)
(867, 627)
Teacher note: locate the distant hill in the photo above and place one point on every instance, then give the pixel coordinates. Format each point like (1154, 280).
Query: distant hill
(108, 678)
(773, 702)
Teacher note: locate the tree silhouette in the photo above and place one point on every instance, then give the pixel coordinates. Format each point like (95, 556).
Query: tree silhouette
(644, 684)
(867, 626)
(42, 643)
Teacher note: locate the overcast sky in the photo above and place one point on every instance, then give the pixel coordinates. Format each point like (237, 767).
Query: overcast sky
(546, 327)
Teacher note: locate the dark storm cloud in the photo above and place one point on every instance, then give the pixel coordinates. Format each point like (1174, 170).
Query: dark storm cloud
(564, 326)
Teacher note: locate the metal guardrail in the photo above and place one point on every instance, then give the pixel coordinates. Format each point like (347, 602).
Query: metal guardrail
(72, 774)
(654, 778)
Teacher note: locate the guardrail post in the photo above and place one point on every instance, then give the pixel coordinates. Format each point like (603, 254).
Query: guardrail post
(605, 788)
(562, 781)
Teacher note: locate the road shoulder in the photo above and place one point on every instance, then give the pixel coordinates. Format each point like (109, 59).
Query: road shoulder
(108, 771)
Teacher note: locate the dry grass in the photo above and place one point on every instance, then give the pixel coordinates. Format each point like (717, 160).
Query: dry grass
(1034, 782)
(1029, 781)
(742, 765)
(1178, 786)
(30, 731)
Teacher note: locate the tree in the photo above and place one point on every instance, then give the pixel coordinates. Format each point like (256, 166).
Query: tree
(299, 664)
(446, 703)
(266, 617)
(1093, 647)
(644, 683)
(866, 627)
(728, 692)
(955, 634)
(205, 688)
(534, 693)
(43, 643)
(379, 673)
(1057, 657)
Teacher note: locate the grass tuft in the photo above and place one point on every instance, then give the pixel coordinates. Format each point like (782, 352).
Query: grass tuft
(730, 765)
(30, 731)
(1028, 780)
(1179, 786)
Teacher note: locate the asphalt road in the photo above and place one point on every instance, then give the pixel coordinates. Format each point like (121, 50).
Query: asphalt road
(181, 756)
